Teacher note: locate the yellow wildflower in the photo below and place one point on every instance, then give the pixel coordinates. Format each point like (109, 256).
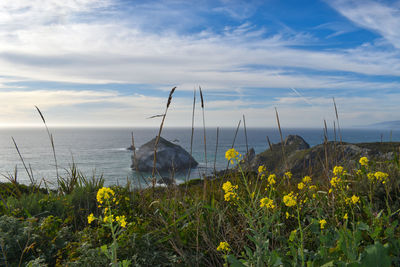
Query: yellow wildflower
(335, 181)
(381, 177)
(358, 172)
(228, 187)
(337, 170)
(307, 179)
(262, 169)
(322, 223)
(104, 194)
(312, 187)
(232, 155)
(290, 199)
(287, 215)
(346, 217)
(223, 246)
(90, 218)
(271, 179)
(266, 202)
(300, 186)
(288, 175)
(364, 161)
(230, 196)
(121, 220)
(355, 199)
(314, 195)
(109, 219)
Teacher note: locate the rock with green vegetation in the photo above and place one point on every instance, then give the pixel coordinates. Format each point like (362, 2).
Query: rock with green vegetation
(169, 157)
(295, 155)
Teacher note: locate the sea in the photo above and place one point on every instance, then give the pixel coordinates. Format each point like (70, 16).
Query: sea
(102, 152)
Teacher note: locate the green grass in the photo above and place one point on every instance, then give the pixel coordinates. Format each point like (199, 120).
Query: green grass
(179, 226)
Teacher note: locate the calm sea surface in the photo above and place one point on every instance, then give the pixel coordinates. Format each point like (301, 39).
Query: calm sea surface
(102, 151)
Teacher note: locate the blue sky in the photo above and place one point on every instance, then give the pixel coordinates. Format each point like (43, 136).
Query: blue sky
(113, 62)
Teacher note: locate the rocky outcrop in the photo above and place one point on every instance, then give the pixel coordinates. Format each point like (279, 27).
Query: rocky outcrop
(295, 155)
(170, 157)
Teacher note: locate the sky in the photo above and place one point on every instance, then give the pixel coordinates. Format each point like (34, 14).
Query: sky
(113, 62)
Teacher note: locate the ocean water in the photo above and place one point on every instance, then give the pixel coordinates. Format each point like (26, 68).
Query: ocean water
(102, 151)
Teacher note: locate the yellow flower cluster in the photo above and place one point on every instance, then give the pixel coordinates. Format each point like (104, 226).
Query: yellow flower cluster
(232, 155)
(223, 246)
(121, 220)
(104, 194)
(381, 177)
(346, 216)
(267, 202)
(288, 175)
(301, 185)
(91, 218)
(352, 200)
(271, 179)
(109, 219)
(307, 179)
(262, 170)
(229, 190)
(290, 199)
(338, 170)
(322, 223)
(335, 181)
(364, 161)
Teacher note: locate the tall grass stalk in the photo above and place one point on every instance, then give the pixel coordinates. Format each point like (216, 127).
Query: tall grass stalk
(191, 139)
(205, 143)
(52, 144)
(31, 178)
(280, 134)
(158, 137)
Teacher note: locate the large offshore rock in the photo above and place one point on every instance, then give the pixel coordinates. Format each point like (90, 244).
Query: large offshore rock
(170, 157)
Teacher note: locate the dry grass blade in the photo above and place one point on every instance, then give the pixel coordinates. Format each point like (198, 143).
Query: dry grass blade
(216, 151)
(337, 119)
(234, 140)
(245, 134)
(155, 116)
(52, 143)
(170, 96)
(205, 141)
(23, 163)
(191, 139)
(326, 149)
(269, 143)
(280, 133)
(158, 137)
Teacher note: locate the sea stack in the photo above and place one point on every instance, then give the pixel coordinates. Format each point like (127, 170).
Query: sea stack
(170, 157)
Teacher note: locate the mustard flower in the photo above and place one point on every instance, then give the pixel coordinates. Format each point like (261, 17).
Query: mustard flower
(371, 177)
(355, 199)
(381, 177)
(364, 161)
(322, 223)
(109, 219)
(301, 185)
(266, 202)
(271, 179)
(337, 170)
(290, 200)
(232, 155)
(335, 181)
(228, 187)
(262, 169)
(346, 216)
(121, 220)
(288, 175)
(287, 215)
(91, 218)
(307, 179)
(104, 194)
(223, 246)
(230, 196)
(312, 187)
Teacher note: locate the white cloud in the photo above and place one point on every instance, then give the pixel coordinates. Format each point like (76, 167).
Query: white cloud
(380, 17)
